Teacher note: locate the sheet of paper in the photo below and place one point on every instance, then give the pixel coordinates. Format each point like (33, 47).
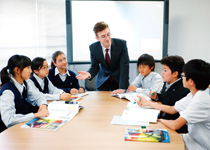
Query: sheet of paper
(61, 115)
(149, 115)
(118, 120)
(131, 96)
(131, 105)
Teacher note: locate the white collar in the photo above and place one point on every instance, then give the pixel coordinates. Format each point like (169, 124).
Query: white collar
(104, 49)
(169, 85)
(17, 85)
(149, 76)
(39, 80)
(57, 72)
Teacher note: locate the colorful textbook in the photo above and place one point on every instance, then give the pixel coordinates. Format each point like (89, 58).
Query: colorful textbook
(60, 113)
(147, 135)
(45, 124)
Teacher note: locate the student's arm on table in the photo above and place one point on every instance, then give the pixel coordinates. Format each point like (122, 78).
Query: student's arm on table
(174, 124)
(132, 88)
(164, 108)
(118, 91)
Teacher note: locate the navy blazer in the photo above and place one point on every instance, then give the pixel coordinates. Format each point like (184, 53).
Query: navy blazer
(175, 93)
(119, 63)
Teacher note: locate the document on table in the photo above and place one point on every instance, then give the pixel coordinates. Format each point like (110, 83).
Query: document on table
(131, 105)
(149, 115)
(118, 120)
(60, 110)
(131, 96)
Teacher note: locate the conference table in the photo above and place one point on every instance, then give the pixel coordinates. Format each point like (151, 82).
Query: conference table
(90, 129)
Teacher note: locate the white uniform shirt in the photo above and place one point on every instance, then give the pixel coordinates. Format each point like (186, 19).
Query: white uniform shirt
(7, 104)
(62, 76)
(196, 110)
(153, 82)
(54, 93)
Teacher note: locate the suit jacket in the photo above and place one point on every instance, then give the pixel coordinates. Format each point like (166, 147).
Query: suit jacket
(175, 93)
(119, 63)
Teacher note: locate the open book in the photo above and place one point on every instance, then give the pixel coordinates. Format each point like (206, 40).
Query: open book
(60, 113)
(77, 97)
(130, 96)
(147, 135)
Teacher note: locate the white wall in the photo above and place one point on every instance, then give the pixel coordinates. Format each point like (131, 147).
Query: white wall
(189, 29)
(189, 33)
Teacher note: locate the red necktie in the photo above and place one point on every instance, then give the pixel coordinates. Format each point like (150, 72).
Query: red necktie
(108, 61)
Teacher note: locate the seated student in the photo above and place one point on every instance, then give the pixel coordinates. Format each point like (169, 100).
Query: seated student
(61, 77)
(173, 89)
(147, 80)
(193, 109)
(20, 100)
(39, 75)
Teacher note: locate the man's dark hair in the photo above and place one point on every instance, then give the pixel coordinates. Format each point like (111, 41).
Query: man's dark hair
(146, 59)
(199, 71)
(175, 63)
(100, 26)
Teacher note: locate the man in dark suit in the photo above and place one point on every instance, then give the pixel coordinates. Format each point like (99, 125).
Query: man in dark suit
(109, 59)
(173, 89)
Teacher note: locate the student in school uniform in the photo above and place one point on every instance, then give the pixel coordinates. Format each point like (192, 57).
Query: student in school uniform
(61, 77)
(147, 80)
(20, 100)
(39, 75)
(193, 108)
(172, 89)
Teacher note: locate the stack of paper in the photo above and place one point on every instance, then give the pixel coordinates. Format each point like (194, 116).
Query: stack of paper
(136, 115)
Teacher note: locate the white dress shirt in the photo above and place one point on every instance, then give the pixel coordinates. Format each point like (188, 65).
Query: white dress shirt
(152, 82)
(196, 111)
(104, 51)
(54, 93)
(62, 76)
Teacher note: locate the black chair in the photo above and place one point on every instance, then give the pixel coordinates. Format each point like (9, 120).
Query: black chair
(90, 85)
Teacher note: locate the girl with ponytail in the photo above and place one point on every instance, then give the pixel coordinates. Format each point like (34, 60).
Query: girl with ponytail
(20, 100)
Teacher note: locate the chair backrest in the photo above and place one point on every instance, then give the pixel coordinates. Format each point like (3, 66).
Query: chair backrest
(90, 85)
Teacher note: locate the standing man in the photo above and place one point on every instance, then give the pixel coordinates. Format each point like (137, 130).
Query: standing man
(109, 59)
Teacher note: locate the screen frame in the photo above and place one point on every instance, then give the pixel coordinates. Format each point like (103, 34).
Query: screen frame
(69, 40)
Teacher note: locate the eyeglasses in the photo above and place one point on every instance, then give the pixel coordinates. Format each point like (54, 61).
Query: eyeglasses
(104, 37)
(45, 68)
(183, 75)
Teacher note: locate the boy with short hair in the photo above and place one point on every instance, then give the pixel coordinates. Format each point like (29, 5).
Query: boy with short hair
(147, 80)
(173, 89)
(193, 109)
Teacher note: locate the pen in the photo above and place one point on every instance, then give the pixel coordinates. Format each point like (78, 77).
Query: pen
(77, 100)
(137, 100)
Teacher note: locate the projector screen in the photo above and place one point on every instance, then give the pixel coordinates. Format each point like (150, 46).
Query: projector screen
(140, 23)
